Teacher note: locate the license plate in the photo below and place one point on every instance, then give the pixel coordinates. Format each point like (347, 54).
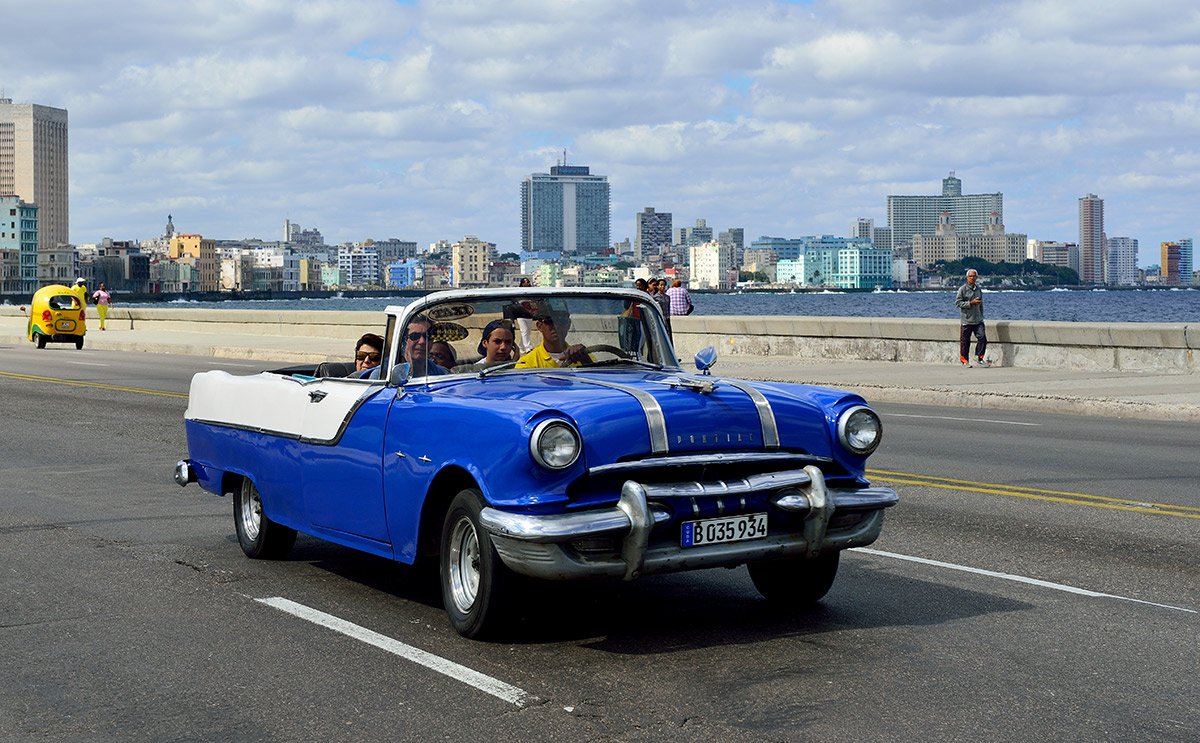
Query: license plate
(729, 529)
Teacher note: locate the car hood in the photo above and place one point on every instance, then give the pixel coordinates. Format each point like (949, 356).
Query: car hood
(629, 414)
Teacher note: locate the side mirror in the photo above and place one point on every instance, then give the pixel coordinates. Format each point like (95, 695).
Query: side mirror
(705, 358)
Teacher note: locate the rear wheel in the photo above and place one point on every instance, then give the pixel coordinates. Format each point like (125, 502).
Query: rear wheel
(476, 586)
(795, 581)
(259, 536)
(41, 340)
(79, 343)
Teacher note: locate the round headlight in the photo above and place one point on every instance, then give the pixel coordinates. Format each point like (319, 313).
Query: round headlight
(860, 430)
(554, 444)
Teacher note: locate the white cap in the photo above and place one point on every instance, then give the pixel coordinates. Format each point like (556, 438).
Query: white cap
(80, 280)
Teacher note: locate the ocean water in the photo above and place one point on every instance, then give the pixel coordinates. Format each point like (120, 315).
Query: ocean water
(1096, 305)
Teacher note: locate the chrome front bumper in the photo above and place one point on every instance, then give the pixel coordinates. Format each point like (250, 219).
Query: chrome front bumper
(539, 545)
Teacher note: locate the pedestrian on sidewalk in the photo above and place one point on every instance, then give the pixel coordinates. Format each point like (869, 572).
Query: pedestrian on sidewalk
(103, 300)
(658, 292)
(970, 306)
(681, 299)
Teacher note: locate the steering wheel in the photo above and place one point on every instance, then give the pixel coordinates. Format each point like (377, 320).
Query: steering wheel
(614, 350)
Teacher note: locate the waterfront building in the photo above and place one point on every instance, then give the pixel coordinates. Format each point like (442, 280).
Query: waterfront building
(201, 252)
(406, 273)
(1186, 266)
(470, 262)
(33, 165)
(947, 244)
(1091, 239)
(904, 272)
(167, 276)
(1054, 253)
(331, 276)
(837, 262)
(359, 265)
(567, 210)
(237, 271)
(19, 239)
(920, 215)
(1169, 273)
(1122, 261)
(652, 233)
(711, 266)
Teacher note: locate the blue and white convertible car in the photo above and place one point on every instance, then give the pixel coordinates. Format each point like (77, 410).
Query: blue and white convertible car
(566, 444)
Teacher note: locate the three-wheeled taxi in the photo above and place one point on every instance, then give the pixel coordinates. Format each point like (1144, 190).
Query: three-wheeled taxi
(56, 315)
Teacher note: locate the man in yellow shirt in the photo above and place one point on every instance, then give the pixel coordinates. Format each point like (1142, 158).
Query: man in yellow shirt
(553, 351)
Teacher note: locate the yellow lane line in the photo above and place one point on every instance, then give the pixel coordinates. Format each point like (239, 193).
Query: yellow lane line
(1053, 496)
(93, 385)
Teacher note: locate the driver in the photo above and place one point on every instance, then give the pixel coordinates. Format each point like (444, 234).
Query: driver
(554, 324)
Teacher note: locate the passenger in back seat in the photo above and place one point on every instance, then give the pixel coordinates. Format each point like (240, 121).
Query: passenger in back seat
(368, 352)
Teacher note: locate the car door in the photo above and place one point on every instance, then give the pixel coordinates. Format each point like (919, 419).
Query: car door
(341, 450)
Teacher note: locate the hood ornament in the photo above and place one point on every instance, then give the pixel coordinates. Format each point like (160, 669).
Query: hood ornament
(703, 386)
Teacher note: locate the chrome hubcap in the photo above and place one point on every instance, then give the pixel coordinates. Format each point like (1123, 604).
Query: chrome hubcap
(464, 565)
(251, 511)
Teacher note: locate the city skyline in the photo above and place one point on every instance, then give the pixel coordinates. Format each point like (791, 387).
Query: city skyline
(417, 120)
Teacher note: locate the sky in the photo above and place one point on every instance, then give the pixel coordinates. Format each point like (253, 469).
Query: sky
(419, 120)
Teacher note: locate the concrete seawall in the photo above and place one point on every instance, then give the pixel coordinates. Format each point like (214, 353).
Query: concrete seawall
(1149, 347)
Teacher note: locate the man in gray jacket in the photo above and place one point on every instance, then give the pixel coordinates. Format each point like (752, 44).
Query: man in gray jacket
(970, 305)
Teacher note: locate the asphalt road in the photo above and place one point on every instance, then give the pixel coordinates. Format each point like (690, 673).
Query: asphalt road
(1039, 581)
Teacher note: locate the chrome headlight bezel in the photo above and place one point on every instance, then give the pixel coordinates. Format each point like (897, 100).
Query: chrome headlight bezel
(554, 427)
(844, 421)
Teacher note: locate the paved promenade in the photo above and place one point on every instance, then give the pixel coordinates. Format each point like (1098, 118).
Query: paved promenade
(1158, 395)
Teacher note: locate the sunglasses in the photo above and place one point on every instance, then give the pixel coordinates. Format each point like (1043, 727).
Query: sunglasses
(365, 356)
(416, 336)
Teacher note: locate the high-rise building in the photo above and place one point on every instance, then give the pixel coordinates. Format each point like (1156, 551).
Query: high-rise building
(710, 267)
(1186, 266)
(33, 165)
(566, 210)
(1092, 245)
(1169, 273)
(697, 235)
(919, 215)
(1122, 261)
(653, 233)
(733, 240)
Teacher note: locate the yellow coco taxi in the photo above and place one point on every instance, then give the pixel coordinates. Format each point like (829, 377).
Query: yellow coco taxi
(56, 315)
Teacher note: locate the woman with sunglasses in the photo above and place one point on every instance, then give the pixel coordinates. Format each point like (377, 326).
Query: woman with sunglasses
(367, 354)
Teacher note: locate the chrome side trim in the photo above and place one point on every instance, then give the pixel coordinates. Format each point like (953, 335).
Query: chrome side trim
(766, 416)
(656, 422)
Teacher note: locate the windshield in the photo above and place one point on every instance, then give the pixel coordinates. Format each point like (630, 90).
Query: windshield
(537, 331)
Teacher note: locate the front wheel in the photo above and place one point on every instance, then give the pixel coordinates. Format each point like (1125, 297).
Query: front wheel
(259, 536)
(795, 581)
(476, 585)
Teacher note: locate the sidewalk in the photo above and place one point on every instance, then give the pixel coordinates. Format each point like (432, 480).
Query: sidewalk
(1112, 394)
